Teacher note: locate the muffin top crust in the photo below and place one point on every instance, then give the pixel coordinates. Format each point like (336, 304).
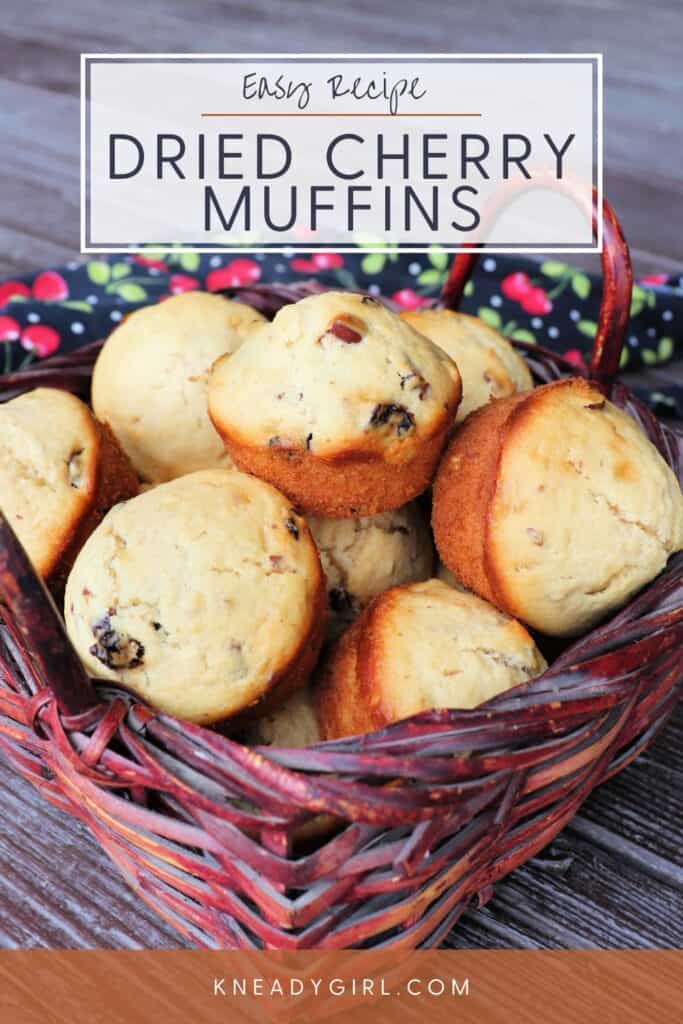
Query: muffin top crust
(428, 645)
(488, 364)
(150, 381)
(335, 375)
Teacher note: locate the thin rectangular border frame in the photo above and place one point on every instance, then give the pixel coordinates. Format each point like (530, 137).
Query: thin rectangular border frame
(87, 58)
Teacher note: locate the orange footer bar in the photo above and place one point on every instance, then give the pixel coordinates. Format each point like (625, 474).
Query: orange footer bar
(481, 987)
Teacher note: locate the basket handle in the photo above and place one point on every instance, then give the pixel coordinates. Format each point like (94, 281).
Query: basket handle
(616, 288)
(40, 628)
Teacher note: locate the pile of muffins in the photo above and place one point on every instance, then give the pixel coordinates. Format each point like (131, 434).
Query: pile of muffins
(239, 531)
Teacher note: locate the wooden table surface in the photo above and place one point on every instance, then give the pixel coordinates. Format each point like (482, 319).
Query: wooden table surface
(614, 878)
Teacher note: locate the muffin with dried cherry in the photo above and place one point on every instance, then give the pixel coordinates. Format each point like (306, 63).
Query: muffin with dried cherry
(363, 557)
(555, 506)
(60, 470)
(339, 403)
(205, 596)
(488, 364)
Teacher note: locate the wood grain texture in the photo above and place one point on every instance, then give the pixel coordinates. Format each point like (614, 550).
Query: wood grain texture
(614, 877)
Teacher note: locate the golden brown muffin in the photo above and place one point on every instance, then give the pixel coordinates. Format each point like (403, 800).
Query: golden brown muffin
(339, 403)
(205, 596)
(363, 557)
(555, 506)
(60, 470)
(488, 364)
(416, 648)
(150, 380)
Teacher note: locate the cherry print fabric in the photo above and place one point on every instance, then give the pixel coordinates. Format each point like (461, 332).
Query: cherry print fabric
(551, 303)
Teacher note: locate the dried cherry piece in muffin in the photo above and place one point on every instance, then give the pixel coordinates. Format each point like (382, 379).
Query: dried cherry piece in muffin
(114, 649)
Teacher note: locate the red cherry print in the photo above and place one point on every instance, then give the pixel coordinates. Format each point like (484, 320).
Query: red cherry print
(536, 301)
(406, 298)
(147, 261)
(327, 260)
(11, 288)
(575, 357)
(9, 329)
(654, 279)
(50, 287)
(40, 339)
(303, 266)
(237, 272)
(515, 286)
(182, 283)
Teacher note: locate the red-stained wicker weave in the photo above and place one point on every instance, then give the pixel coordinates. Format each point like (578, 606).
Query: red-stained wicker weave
(431, 811)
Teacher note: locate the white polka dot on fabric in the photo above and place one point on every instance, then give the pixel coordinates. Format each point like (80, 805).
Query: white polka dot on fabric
(633, 340)
(280, 268)
(115, 314)
(496, 301)
(72, 265)
(574, 314)
(33, 318)
(414, 268)
(77, 327)
(374, 289)
(553, 332)
(93, 299)
(215, 261)
(667, 315)
(489, 265)
(536, 322)
(651, 332)
(153, 271)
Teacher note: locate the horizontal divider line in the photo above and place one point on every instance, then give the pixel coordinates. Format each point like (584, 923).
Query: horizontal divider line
(307, 114)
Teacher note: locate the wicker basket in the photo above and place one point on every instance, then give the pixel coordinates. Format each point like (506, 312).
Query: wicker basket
(430, 812)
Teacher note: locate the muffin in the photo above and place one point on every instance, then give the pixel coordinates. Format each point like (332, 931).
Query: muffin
(293, 724)
(488, 364)
(204, 596)
(555, 506)
(60, 470)
(363, 557)
(339, 403)
(150, 379)
(416, 648)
